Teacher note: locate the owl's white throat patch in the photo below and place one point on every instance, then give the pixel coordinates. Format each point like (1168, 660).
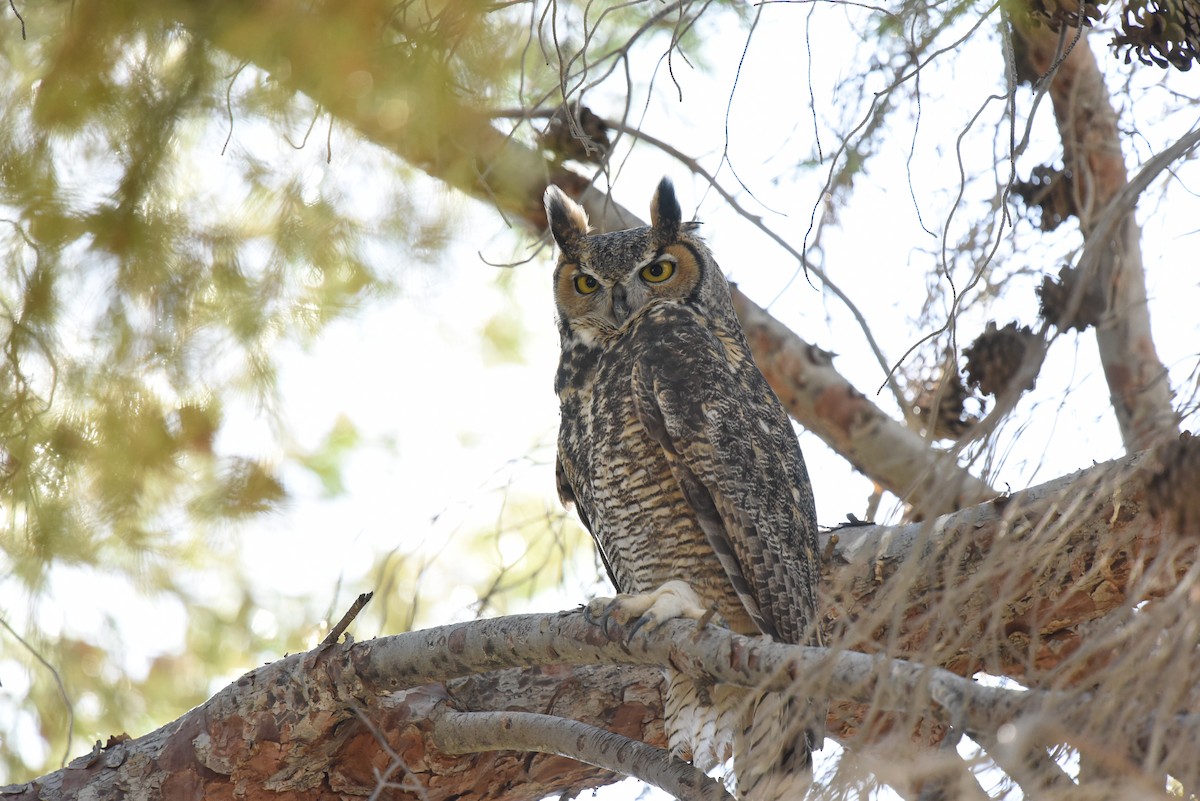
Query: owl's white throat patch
(584, 336)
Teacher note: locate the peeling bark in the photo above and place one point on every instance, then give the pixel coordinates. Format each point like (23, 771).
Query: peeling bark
(306, 727)
(1031, 570)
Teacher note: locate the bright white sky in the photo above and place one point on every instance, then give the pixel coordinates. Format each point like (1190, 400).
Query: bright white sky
(457, 431)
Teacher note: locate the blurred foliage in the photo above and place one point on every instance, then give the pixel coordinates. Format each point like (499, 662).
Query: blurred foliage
(171, 216)
(485, 567)
(529, 550)
(325, 461)
(501, 338)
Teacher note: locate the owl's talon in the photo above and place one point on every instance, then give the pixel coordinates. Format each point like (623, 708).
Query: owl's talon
(604, 621)
(604, 613)
(672, 600)
(637, 625)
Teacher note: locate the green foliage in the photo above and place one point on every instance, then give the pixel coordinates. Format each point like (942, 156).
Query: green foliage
(173, 213)
(502, 338)
(140, 301)
(326, 460)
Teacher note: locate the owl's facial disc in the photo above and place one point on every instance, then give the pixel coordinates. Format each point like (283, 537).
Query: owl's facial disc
(598, 297)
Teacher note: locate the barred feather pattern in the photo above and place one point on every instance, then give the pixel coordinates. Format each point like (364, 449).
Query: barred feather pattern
(709, 725)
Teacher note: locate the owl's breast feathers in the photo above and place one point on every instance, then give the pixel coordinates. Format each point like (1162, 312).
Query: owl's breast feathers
(683, 465)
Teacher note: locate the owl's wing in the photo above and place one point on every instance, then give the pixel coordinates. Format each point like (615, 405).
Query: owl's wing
(735, 456)
(566, 494)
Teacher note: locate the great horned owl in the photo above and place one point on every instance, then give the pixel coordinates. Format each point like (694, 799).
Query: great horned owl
(683, 466)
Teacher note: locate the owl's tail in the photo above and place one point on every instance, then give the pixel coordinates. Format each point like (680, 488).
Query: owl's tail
(773, 760)
(771, 738)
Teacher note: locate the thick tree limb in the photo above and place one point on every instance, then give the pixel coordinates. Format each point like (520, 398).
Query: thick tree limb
(714, 654)
(305, 727)
(1087, 123)
(293, 729)
(1030, 569)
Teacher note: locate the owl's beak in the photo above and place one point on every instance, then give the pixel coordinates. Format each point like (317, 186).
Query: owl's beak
(620, 304)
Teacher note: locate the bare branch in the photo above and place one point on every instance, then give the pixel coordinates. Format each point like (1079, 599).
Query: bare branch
(824, 402)
(470, 732)
(362, 600)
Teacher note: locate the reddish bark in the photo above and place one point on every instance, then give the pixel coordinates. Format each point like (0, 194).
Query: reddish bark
(1087, 122)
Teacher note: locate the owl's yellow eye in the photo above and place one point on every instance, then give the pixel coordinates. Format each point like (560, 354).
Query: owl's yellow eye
(585, 284)
(658, 272)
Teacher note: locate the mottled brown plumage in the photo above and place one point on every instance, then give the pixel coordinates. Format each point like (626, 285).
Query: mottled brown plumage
(683, 466)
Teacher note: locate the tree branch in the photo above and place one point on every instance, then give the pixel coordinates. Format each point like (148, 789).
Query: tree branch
(306, 727)
(713, 654)
(293, 726)
(1087, 123)
(824, 402)
(1030, 568)
(471, 732)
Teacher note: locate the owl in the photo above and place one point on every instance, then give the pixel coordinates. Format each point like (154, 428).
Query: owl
(683, 466)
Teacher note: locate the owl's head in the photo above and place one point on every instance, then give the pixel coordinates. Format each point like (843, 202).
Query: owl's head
(603, 281)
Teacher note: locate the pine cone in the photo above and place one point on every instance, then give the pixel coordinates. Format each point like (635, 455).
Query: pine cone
(1049, 190)
(583, 138)
(1161, 32)
(1055, 296)
(995, 356)
(947, 389)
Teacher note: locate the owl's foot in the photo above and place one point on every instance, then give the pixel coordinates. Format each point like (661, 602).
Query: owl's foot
(672, 600)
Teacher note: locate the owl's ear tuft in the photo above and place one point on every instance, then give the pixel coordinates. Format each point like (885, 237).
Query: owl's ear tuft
(568, 221)
(665, 214)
